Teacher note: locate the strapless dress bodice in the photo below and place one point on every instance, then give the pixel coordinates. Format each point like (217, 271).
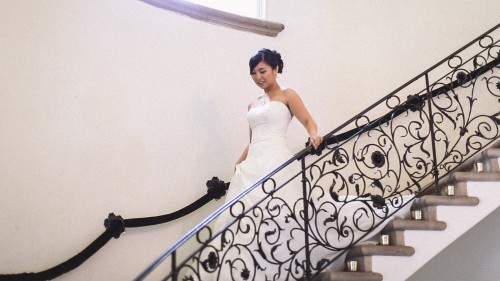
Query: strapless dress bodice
(269, 121)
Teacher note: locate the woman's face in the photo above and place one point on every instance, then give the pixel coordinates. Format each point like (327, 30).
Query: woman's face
(263, 75)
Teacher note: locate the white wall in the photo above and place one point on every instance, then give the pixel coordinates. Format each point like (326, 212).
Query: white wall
(118, 106)
(474, 256)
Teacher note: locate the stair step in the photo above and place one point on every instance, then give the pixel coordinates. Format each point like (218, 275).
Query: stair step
(398, 224)
(490, 157)
(495, 144)
(474, 176)
(348, 276)
(492, 153)
(380, 250)
(436, 200)
(363, 254)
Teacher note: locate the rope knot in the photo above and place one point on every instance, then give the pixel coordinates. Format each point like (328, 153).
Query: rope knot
(415, 102)
(217, 188)
(115, 224)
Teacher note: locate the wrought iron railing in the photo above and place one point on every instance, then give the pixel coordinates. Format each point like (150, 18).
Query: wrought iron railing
(301, 219)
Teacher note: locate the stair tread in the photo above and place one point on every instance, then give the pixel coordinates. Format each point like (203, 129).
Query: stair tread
(474, 176)
(348, 276)
(436, 200)
(492, 153)
(404, 224)
(380, 250)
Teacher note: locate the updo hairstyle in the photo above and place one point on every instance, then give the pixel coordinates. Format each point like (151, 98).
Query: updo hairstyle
(272, 58)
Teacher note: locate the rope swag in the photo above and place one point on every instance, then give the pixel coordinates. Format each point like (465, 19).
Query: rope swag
(115, 226)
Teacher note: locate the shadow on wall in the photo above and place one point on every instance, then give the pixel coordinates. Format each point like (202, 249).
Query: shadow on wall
(480, 244)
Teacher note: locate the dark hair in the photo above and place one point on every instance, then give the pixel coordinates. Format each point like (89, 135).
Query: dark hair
(272, 58)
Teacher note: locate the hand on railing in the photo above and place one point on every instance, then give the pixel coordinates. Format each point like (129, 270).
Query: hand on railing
(315, 140)
(317, 144)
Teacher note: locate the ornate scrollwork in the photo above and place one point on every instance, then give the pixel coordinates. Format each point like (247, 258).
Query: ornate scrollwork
(358, 182)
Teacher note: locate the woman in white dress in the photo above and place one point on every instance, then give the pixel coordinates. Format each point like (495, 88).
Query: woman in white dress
(268, 118)
(257, 246)
(264, 68)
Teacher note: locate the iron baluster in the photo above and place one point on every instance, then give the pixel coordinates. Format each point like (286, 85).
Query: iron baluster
(307, 272)
(174, 266)
(435, 171)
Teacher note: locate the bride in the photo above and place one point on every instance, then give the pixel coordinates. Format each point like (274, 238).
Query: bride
(258, 245)
(268, 118)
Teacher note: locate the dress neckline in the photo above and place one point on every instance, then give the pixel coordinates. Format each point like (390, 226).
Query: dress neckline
(268, 103)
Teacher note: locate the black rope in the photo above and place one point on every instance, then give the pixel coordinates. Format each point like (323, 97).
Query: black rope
(66, 266)
(115, 226)
(216, 189)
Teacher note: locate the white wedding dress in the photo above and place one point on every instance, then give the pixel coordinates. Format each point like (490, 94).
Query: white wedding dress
(267, 151)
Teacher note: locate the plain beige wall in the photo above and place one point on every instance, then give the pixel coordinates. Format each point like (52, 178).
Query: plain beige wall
(118, 106)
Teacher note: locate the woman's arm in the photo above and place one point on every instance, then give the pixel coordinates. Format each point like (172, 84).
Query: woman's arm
(243, 156)
(299, 110)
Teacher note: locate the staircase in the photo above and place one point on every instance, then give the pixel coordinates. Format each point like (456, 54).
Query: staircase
(473, 194)
(432, 138)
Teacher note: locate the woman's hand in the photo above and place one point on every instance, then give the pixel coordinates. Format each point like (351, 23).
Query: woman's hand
(315, 140)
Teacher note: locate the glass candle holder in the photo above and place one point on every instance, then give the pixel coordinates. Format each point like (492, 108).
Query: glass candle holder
(478, 167)
(351, 266)
(450, 190)
(384, 239)
(416, 215)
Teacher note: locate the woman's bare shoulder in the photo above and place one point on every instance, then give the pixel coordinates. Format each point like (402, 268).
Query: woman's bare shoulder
(290, 93)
